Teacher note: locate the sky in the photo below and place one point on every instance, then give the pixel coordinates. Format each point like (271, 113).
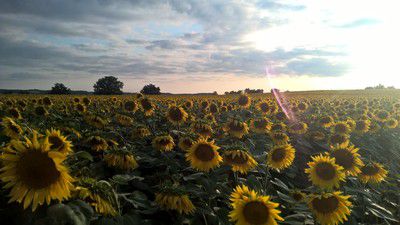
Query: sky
(191, 46)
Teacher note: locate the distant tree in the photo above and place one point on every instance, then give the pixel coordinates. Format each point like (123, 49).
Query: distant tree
(215, 93)
(108, 85)
(150, 89)
(60, 89)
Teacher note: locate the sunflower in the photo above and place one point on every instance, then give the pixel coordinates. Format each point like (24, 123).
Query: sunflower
(348, 158)
(97, 143)
(240, 160)
(185, 143)
(130, 106)
(391, 123)
(124, 120)
(261, 125)
(80, 108)
(298, 128)
(140, 131)
(41, 111)
(236, 128)
(279, 138)
(202, 129)
(178, 202)
(339, 139)
(203, 155)
(373, 173)
(188, 104)
(11, 128)
(278, 127)
(147, 106)
(330, 208)
(176, 115)
(244, 100)
(34, 173)
(362, 126)
(298, 195)
(163, 143)
(95, 121)
(263, 107)
(382, 115)
(121, 160)
(341, 128)
(326, 121)
(255, 210)
(241, 192)
(58, 142)
(324, 172)
(99, 194)
(317, 135)
(281, 157)
(14, 113)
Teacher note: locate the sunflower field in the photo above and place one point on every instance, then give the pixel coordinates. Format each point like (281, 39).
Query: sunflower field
(290, 158)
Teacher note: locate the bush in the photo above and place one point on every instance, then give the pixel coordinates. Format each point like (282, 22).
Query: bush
(108, 85)
(150, 89)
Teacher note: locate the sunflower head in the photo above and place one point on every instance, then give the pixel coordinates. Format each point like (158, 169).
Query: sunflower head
(121, 159)
(348, 158)
(140, 131)
(373, 173)
(204, 155)
(298, 128)
(339, 139)
(240, 160)
(35, 174)
(341, 128)
(130, 106)
(41, 111)
(176, 115)
(10, 128)
(279, 138)
(261, 125)
(97, 143)
(324, 172)
(171, 196)
(244, 100)
(391, 123)
(330, 208)
(237, 128)
(164, 143)
(58, 142)
(147, 106)
(185, 143)
(14, 113)
(281, 157)
(124, 120)
(362, 126)
(202, 128)
(326, 121)
(298, 195)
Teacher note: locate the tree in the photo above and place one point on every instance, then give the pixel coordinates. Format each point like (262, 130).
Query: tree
(108, 85)
(60, 89)
(150, 89)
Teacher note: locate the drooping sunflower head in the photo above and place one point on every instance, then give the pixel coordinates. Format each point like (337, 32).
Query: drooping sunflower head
(326, 121)
(130, 106)
(330, 208)
(341, 128)
(95, 121)
(237, 128)
(14, 113)
(244, 100)
(213, 108)
(317, 135)
(240, 160)
(97, 143)
(202, 128)
(80, 108)
(147, 106)
(140, 131)
(279, 138)
(324, 172)
(298, 195)
(185, 143)
(124, 120)
(362, 126)
(35, 174)
(298, 128)
(164, 143)
(373, 173)
(348, 158)
(41, 111)
(99, 194)
(176, 115)
(121, 159)
(339, 139)
(47, 101)
(281, 157)
(11, 128)
(260, 125)
(204, 155)
(58, 142)
(174, 197)
(255, 210)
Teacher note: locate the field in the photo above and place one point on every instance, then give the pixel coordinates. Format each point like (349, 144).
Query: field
(324, 157)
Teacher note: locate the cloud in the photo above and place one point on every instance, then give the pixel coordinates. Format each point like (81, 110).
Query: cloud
(314, 67)
(275, 5)
(359, 23)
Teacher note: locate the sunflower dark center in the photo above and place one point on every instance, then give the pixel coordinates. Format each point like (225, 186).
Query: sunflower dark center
(130, 106)
(37, 170)
(370, 170)
(325, 205)
(164, 142)
(264, 107)
(175, 114)
(344, 158)
(146, 104)
(256, 213)
(236, 126)
(325, 171)
(338, 139)
(243, 100)
(278, 154)
(56, 142)
(204, 152)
